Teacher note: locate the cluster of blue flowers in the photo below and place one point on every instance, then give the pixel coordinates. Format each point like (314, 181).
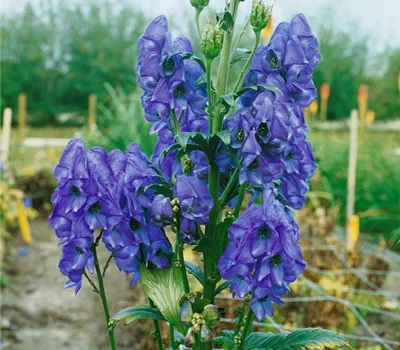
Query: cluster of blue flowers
(173, 100)
(115, 192)
(269, 139)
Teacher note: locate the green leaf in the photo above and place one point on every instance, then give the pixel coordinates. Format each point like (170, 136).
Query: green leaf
(225, 20)
(164, 189)
(225, 341)
(309, 338)
(165, 288)
(206, 245)
(183, 138)
(228, 100)
(225, 137)
(255, 87)
(240, 55)
(201, 80)
(222, 286)
(195, 270)
(133, 313)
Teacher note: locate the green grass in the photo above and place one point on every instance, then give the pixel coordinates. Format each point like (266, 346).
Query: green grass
(377, 181)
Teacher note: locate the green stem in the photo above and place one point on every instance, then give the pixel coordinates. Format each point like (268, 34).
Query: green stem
(209, 94)
(242, 32)
(197, 18)
(103, 298)
(95, 289)
(180, 257)
(248, 62)
(228, 189)
(171, 336)
(240, 319)
(247, 327)
(242, 192)
(157, 329)
(107, 265)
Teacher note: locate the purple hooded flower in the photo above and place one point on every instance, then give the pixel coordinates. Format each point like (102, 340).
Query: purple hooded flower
(161, 211)
(261, 303)
(76, 257)
(188, 231)
(194, 199)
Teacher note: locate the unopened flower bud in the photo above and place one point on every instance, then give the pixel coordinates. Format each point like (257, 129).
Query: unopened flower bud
(199, 3)
(211, 315)
(189, 338)
(205, 334)
(211, 43)
(196, 328)
(237, 340)
(260, 15)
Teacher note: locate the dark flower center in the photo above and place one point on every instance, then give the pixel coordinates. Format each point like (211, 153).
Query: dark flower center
(134, 224)
(240, 135)
(169, 64)
(179, 91)
(263, 129)
(253, 165)
(264, 299)
(79, 250)
(264, 232)
(239, 277)
(290, 155)
(95, 208)
(273, 61)
(75, 191)
(276, 260)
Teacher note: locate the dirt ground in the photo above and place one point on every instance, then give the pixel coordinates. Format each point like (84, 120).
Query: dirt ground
(38, 313)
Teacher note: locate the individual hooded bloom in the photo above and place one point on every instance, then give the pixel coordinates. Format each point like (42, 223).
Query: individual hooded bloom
(261, 303)
(72, 164)
(294, 189)
(102, 212)
(121, 242)
(160, 249)
(188, 230)
(239, 124)
(161, 211)
(76, 257)
(194, 198)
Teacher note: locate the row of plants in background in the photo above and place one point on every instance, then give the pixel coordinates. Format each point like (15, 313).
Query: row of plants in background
(214, 146)
(52, 45)
(377, 183)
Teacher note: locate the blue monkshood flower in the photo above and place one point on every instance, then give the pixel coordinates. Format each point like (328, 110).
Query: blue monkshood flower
(161, 211)
(194, 198)
(292, 54)
(293, 189)
(76, 257)
(263, 253)
(121, 242)
(261, 303)
(188, 231)
(102, 212)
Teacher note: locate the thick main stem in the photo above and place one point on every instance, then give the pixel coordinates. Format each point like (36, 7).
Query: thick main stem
(209, 95)
(157, 329)
(103, 299)
(240, 319)
(247, 326)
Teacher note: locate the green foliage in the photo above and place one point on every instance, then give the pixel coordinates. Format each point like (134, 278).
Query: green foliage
(130, 314)
(309, 338)
(59, 54)
(377, 182)
(121, 122)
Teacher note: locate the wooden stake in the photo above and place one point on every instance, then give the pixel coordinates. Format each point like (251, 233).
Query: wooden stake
(324, 94)
(92, 112)
(351, 180)
(6, 136)
(22, 115)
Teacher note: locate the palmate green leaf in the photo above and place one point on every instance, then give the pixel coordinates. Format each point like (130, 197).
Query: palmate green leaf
(133, 313)
(164, 189)
(222, 286)
(225, 20)
(207, 245)
(255, 87)
(309, 338)
(225, 341)
(195, 270)
(165, 288)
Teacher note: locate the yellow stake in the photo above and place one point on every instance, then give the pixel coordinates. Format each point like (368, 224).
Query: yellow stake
(22, 115)
(23, 222)
(353, 231)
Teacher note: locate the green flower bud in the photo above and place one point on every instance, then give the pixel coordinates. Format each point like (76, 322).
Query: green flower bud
(199, 3)
(211, 315)
(211, 43)
(260, 15)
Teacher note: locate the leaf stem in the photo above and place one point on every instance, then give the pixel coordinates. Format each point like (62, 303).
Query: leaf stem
(157, 329)
(95, 289)
(180, 257)
(107, 265)
(229, 187)
(240, 318)
(248, 62)
(171, 336)
(197, 18)
(247, 326)
(209, 94)
(239, 202)
(102, 293)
